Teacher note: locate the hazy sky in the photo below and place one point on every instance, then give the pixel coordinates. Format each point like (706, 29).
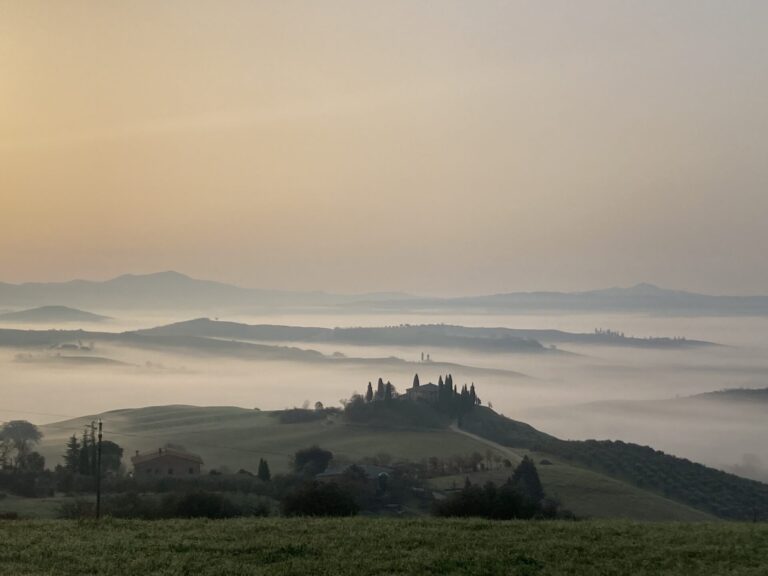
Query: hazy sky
(428, 146)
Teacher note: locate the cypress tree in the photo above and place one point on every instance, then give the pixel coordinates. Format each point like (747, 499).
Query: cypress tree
(526, 479)
(389, 391)
(264, 473)
(416, 383)
(380, 390)
(72, 455)
(369, 393)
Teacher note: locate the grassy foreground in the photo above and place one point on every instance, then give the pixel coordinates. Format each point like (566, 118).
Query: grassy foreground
(363, 546)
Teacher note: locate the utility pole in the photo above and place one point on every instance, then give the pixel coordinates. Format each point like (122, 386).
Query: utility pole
(98, 475)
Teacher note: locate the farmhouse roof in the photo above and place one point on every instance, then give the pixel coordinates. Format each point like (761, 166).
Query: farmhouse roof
(426, 387)
(142, 458)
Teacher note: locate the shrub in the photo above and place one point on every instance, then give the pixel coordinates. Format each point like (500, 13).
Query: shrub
(319, 499)
(200, 505)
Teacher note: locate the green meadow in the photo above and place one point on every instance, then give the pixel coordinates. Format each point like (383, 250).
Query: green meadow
(362, 546)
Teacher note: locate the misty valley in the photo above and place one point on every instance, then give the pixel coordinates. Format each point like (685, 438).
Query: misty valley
(693, 387)
(383, 287)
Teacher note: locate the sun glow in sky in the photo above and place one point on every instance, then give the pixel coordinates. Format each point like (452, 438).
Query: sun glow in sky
(430, 146)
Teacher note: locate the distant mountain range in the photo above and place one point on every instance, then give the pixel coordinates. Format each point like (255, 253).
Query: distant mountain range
(52, 314)
(642, 298)
(174, 291)
(168, 291)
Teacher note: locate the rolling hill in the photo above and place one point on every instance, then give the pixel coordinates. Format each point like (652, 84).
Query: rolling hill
(220, 348)
(52, 314)
(166, 291)
(751, 396)
(174, 291)
(429, 335)
(642, 298)
(237, 438)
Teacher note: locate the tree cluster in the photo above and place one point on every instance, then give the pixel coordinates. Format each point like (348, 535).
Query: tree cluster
(720, 493)
(521, 496)
(81, 456)
(455, 401)
(311, 461)
(17, 440)
(383, 391)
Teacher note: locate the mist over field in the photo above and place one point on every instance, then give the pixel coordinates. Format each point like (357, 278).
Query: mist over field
(491, 276)
(572, 390)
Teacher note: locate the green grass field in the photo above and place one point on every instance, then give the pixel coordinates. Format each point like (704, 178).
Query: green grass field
(362, 546)
(237, 438)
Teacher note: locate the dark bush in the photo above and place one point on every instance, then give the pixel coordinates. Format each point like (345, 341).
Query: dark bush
(319, 499)
(199, 505)
(311, 461)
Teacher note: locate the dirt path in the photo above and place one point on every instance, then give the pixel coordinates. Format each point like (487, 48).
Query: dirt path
(513, 456)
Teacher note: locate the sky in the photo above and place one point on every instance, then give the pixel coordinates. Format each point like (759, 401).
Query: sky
(435, 147)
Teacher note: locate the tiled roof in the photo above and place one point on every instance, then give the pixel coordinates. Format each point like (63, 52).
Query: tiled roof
(142, 458)
(424, 388)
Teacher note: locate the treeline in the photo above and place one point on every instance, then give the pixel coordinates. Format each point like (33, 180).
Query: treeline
(520, 497)
(297, 493)
(722, 494)
(450, 399)
(383, 405)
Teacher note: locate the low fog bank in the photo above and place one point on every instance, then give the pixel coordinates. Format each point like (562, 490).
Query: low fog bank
(587, 391)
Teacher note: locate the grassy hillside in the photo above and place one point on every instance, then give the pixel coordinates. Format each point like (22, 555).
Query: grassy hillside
(52, 314)
(722, 494)
(435, 335)
(426, 335)
(237, 438)
(589, 494)
(29, 340)
(366, 546)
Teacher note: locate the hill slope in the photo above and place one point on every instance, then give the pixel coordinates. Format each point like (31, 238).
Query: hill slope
(640, 298)
(164, 291)
(174, 291)
(237, 438)
(427, 335)
(52, 314)
(720, 493)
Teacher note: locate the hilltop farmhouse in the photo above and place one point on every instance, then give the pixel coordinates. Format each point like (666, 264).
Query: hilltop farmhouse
(166, 462)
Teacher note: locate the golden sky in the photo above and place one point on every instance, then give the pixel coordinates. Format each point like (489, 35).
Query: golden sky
(429, 146)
